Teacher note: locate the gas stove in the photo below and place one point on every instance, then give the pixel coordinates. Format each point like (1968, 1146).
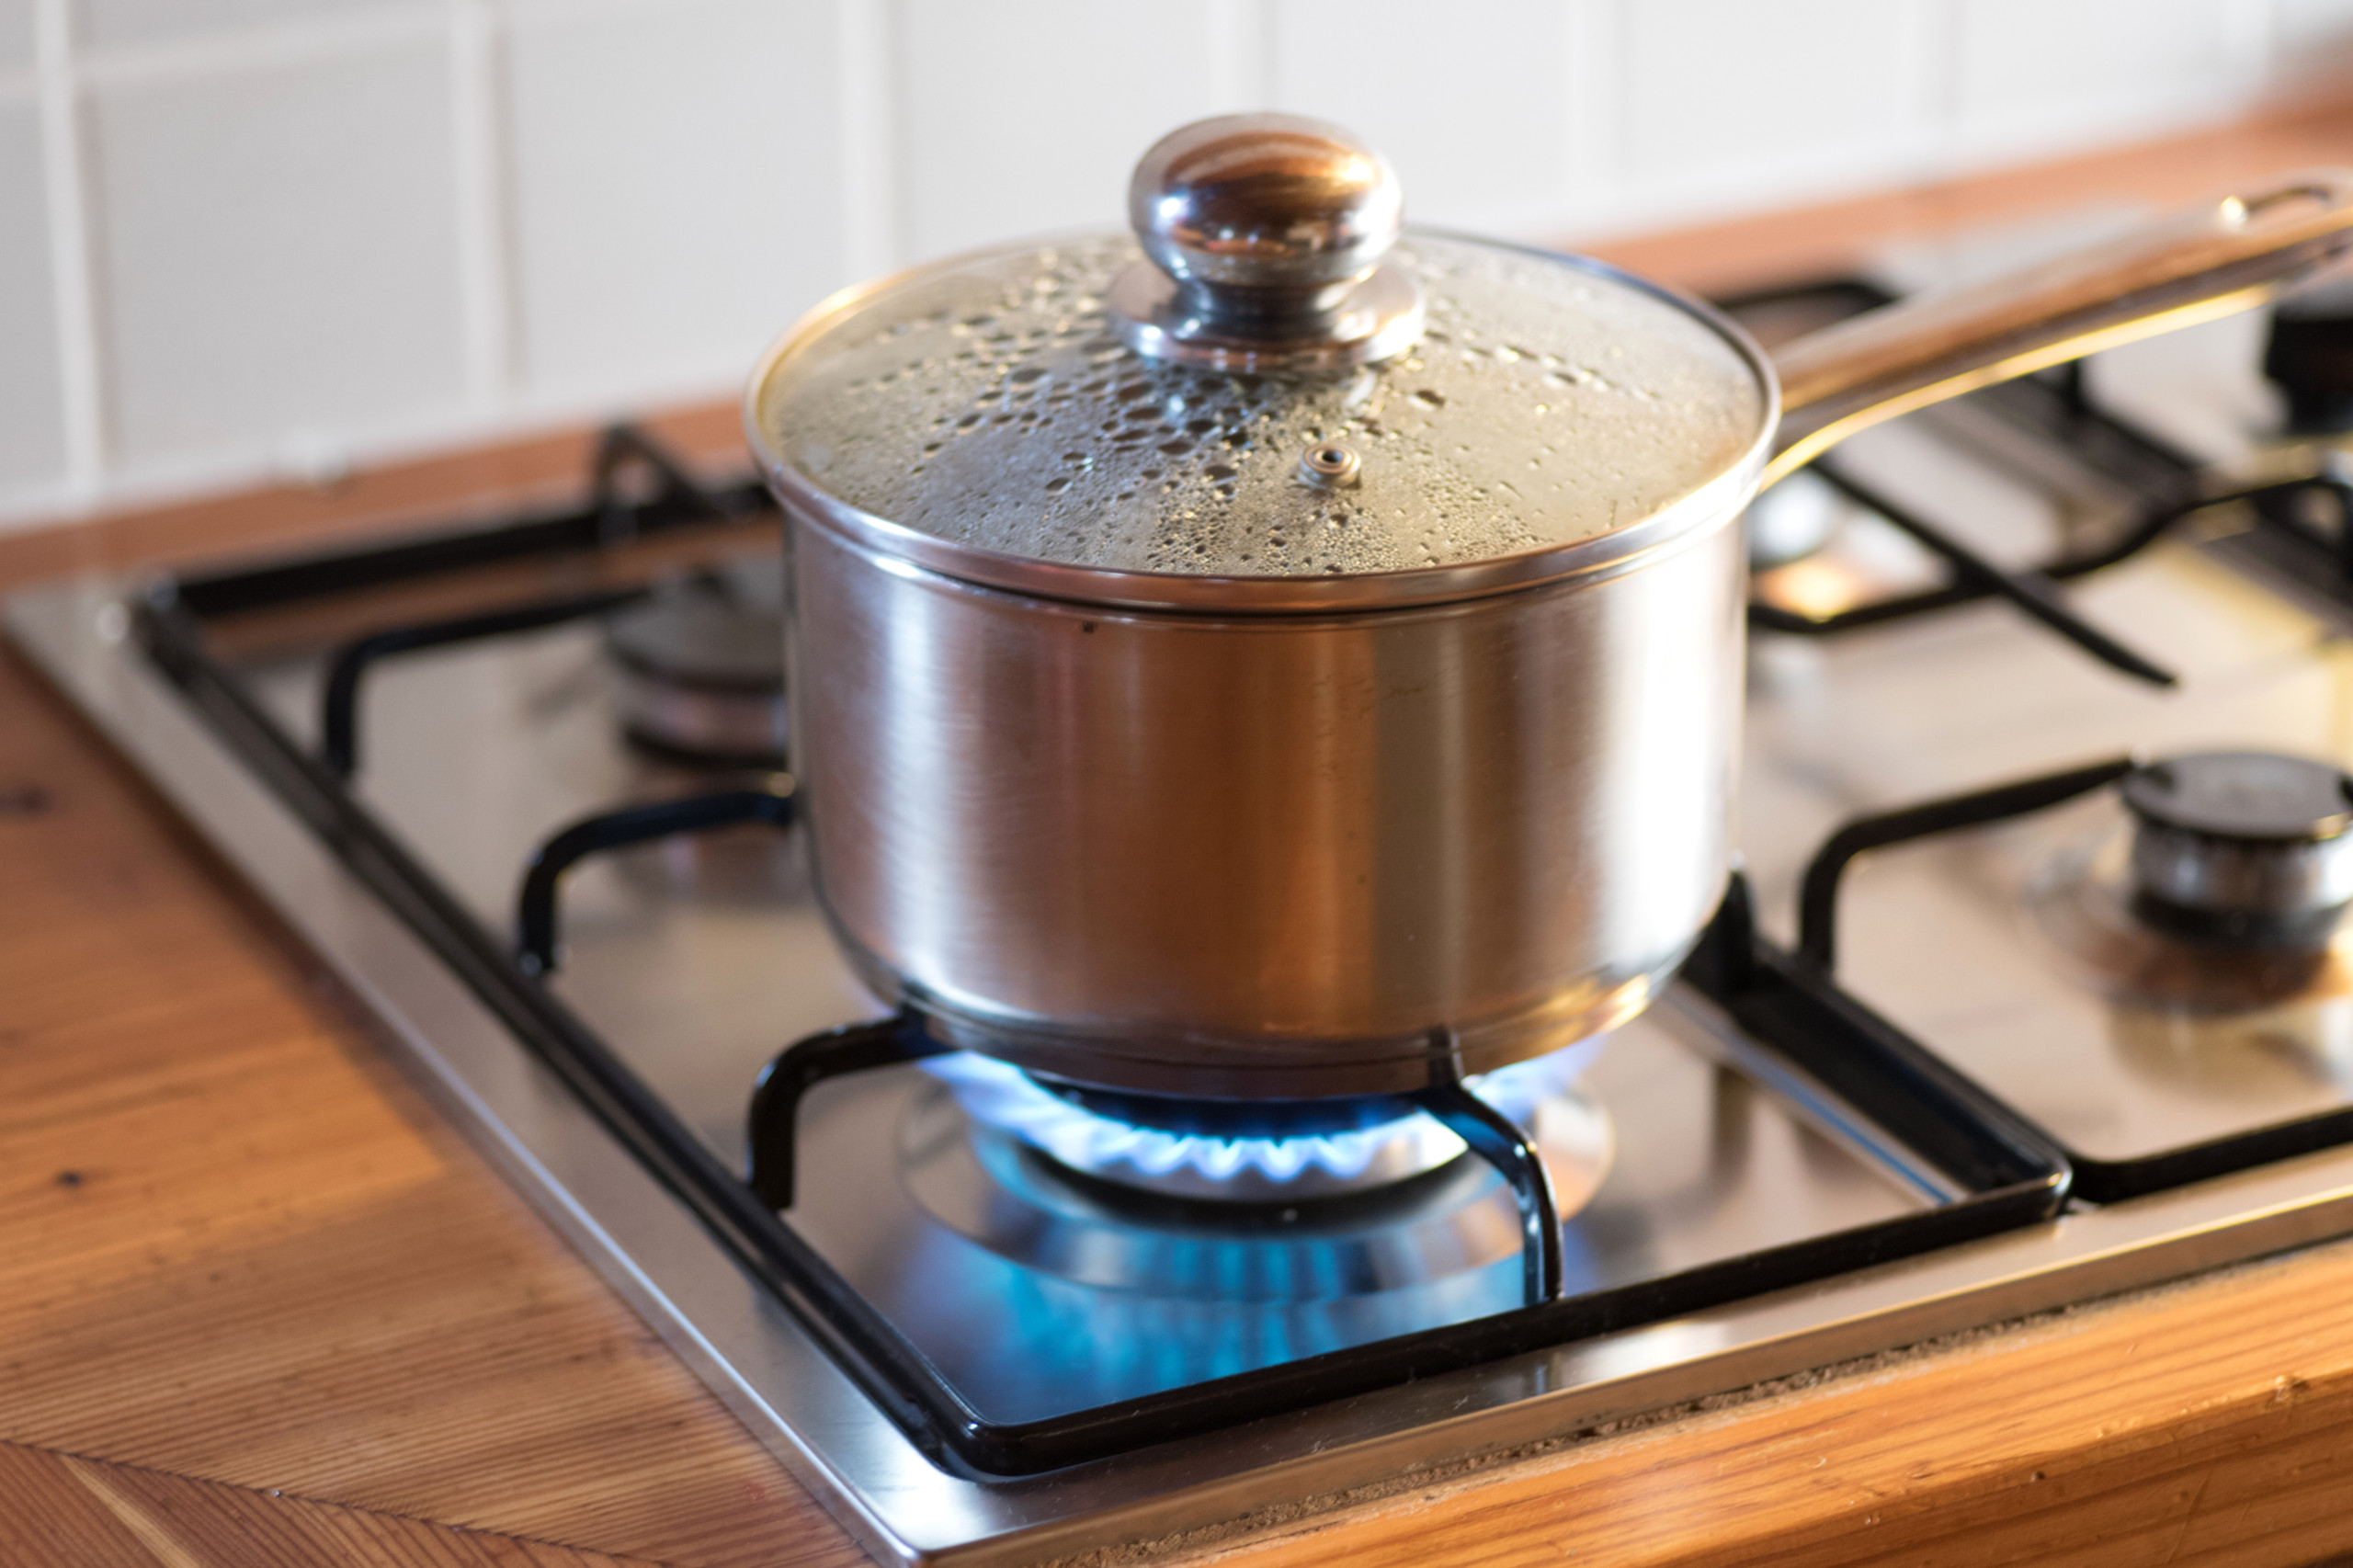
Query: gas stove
(2032, 985)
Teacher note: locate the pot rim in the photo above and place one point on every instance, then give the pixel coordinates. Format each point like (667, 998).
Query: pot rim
(1713, 504)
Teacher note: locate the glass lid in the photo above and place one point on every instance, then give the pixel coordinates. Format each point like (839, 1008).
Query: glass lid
(1264, 383)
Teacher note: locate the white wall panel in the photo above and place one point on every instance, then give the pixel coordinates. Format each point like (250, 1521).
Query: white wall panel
(2036, 75)
(16, 36)
(33, 443)
(1731, 105)
(1470, 100)
(676, 187)
(315, 225)
(129, 24)
(1018, 119)
(276, 252)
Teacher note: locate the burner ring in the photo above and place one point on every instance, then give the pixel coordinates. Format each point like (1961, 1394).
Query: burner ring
(1454, 1228)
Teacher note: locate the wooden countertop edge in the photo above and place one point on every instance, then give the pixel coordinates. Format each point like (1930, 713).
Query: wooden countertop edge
(240, 1247)
(2211, 1420)
(2206, 1421)
(1800, 243)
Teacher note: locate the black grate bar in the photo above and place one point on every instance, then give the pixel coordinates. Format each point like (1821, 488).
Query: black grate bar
(866, 1347)
(2154, 523)
(1818, 895)
(2016, 1187)
(2280, 517)
(616, 520)
(1795, 1009)
(2032, 592)
(535, 537)
(1497, 1139)
(621, 445)
(339, 702)
(535, 905)
(773, 1122)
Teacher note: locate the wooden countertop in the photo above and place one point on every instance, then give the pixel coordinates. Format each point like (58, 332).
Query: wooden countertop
(260, 1305)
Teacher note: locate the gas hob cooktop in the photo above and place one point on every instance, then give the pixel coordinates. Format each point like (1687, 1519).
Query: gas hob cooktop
(1984, 1028)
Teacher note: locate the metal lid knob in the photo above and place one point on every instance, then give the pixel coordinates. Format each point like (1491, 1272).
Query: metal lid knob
(1266, 235)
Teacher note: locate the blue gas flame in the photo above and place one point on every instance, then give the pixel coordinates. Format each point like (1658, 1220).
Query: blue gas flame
(1005, 1097)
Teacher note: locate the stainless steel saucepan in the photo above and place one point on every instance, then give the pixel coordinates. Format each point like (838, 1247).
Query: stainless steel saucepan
(1229, 667)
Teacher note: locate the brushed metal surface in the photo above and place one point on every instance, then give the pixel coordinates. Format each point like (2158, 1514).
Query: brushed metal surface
(758, 1358)
(2209, 260)
(1265, 856)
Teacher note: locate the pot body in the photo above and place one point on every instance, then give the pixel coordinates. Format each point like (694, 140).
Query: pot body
(1268, 855)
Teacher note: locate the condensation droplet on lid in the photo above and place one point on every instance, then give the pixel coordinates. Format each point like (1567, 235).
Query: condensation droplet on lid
(1074, 400)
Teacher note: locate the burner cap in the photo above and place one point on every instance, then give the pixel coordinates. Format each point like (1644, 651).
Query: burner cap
(701, 666)
(2244, 795)
(717, 630)
(2242, 846)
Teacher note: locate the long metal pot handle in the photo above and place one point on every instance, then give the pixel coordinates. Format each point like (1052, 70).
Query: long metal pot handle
(2221, 256)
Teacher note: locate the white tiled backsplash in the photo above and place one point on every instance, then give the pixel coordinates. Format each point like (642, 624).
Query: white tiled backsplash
(247, 238)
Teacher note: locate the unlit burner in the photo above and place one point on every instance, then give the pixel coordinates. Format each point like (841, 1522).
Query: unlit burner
(2249, 849)
(1277, 1150)
(701, 666)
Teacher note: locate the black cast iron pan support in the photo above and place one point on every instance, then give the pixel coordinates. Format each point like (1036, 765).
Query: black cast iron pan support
(616, 519)
(340, 700)
(1497, 1139)
(890, 1042)
(1793, 1006)
(2093, 1179)
(1818, 894)
(2057, 406)
(1799, 1016)
(2035, 591)
(535, 906)
(774, 1114)
(859, 1048)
